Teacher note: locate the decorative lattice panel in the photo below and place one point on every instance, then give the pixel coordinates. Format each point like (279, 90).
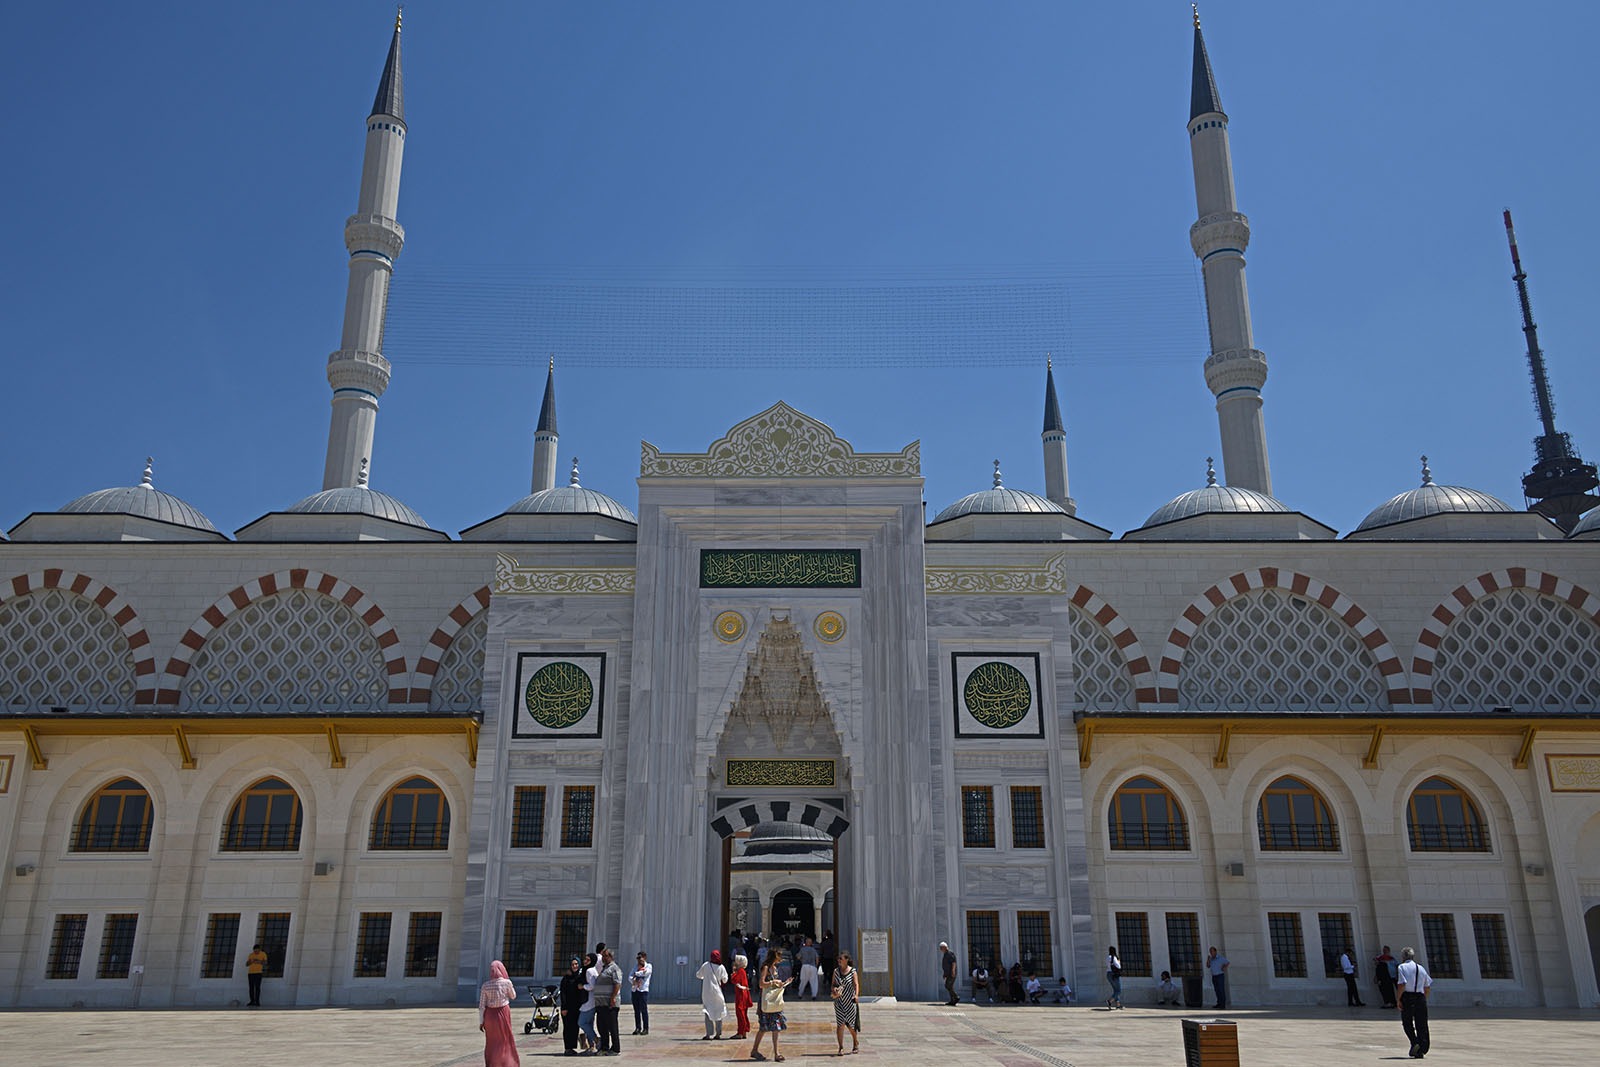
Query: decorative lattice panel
(458, 683)
(1272, 650)
(1100, 675)
(1518, 649)
(58, 649)
(289, 652)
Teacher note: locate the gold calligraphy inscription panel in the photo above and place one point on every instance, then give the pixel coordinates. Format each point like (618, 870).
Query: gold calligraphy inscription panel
(780, 568)
(997, 695)
(1574, 773)
(778, 773)
(559, 694)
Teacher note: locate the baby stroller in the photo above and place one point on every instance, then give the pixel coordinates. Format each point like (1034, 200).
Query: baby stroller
(545, 1016)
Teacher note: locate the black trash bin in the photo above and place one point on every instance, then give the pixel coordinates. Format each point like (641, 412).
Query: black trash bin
(1194, 991)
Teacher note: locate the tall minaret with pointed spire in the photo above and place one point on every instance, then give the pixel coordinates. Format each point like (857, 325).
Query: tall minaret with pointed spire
(1237, 369)
(1055, 445)
(545, 438)
(358, 372)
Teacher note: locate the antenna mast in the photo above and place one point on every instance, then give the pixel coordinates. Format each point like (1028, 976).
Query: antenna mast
(1561, 486)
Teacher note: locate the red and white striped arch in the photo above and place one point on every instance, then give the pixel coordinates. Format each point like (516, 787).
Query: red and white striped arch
(1462, 597)
(1122, 635)
(296, 578)
(1354, 616)
(111, 602)
(439, 643)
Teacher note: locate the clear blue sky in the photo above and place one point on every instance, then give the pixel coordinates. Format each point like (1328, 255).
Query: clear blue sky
(177, 178)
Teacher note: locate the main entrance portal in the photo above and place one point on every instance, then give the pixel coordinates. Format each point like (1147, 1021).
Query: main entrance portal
(780, 876)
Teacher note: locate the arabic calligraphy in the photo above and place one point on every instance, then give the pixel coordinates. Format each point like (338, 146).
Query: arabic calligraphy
(773, 773)
(1574, 774)
(988, 579)
(559, 695)
(801, 568)
(997, 695)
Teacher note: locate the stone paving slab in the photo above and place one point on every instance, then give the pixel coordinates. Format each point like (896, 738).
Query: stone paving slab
(894, 1035)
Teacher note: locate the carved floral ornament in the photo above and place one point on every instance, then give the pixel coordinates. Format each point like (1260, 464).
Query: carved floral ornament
(780, 443)
(1047, 577)
(512, 578)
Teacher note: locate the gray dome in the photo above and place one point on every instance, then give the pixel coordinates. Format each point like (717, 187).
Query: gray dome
(144, 501)
(787, 831)
(571, 500)
(1431, 499)
(1213, 499)
(358, 500)
(1590, 523)
(1001, 501)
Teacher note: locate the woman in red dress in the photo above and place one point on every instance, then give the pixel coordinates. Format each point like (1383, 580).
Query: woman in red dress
(741, 994)
(494, 1018)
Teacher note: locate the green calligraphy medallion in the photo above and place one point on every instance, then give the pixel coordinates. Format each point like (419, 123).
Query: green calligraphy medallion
(997, 695)
(559, 695)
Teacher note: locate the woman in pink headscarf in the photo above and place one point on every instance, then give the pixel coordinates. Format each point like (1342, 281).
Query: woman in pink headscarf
(494, 1018)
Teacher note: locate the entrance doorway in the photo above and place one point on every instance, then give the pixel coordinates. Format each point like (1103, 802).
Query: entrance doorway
(779, 881)
(1591, 919)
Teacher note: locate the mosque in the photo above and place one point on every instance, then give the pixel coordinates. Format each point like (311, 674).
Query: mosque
(778, 697)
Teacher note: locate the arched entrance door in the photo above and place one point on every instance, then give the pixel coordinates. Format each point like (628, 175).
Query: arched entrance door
(794, 914)
(1591, 919)
(784, 854)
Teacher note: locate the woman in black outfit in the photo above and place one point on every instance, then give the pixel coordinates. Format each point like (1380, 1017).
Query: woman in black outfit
(570, 999)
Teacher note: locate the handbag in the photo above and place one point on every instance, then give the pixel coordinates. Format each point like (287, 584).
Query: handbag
(772, 1000)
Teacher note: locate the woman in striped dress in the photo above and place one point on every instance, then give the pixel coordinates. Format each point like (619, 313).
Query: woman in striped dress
(846, 1009)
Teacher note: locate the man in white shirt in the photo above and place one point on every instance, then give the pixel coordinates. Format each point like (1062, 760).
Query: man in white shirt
(1347, 964)
(1167, 991)
(639, 987)
(1217, 964)
(1414, 982)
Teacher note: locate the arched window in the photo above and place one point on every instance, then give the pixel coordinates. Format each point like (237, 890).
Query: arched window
(116, 819)
(265, 818)
(1442, 818)
(1145, 815)
(412, 815)
(1293, 817)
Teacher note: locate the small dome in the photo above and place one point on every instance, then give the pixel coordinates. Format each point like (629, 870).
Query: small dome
(572, 499)
(144, 501)
(1001, 501)
(1214, 499)
(358, 500)
(787, 831)
(1431, 499)
(1589, 524)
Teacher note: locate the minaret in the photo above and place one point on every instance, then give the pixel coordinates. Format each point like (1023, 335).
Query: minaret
(358, 372)
(1055, 446)
(545, 438)
(1237, 369)
(1561, 486)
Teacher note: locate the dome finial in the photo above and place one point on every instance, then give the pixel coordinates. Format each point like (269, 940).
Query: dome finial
(574, 471)
(997, 483)
(144, 481)
(361, 475)
(1427, 475)
(1211, 471)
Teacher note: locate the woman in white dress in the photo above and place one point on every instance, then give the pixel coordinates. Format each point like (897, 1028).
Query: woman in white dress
(713, 975)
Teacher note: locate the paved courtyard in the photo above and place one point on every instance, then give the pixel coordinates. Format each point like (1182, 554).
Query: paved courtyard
(913, 1035)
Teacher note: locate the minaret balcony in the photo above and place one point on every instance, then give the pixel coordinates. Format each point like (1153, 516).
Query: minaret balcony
(1222, 231)
(351, 368)
(374, 233)
(1236, 368)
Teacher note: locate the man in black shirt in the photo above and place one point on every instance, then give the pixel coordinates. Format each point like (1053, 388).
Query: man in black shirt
(947, 964)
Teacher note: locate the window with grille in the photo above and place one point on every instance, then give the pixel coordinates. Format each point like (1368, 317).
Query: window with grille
(265, 818)
(577, 816)
(422, 944)
(1033, 941)
(1293, 817)
(527, 817)
(222, 945)
(1439, 942)
(983, 940)
(522, 934)
(413, 815)
(1288, 947)
(1027, 817)
(372, 945)
(66, 946)
(1183, 943)
(116, 946)
(572, 935)
(977, 816)
(1145, 816)
(116, 819)
(272, 934)
(1440, 817)
(1337, 938)
(1494, 951)
(1133, 943)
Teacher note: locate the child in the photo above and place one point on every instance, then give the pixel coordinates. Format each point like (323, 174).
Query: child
(1063, 993)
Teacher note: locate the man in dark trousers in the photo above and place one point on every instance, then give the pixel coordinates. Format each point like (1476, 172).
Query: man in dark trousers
(607, 996)
(1347, 964)
(947, 964)
(1414, 983)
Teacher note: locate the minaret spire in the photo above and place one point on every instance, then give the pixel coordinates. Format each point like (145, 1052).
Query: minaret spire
(358, 372)
(1561, 486)
(1054, 438)
(1236, 370)
(545, 437)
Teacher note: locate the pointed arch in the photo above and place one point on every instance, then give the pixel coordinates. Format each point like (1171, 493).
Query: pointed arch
(460, 616)
(1122, 635)
(109, 601)
(1464, 596)
(735, 814)
(243, 596)
(1371, 635)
